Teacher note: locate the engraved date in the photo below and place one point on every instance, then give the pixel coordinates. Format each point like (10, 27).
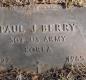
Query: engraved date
(4, 60)
(75, 59)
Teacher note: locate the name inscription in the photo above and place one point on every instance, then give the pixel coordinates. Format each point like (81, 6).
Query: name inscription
(54, 27)
(65, 27)
(11, 29)
(50, 33)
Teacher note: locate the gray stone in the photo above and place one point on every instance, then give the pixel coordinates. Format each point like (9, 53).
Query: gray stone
(42, 38)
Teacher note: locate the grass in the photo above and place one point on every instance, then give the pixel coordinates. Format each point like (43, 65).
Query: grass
(68, 3)
(67, 72)
(8, 3)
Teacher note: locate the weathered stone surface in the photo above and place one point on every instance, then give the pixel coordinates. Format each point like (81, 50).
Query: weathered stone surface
(42, 36)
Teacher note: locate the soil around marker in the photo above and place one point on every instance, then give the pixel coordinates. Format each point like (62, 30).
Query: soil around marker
(67, 72)
(23, 3)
